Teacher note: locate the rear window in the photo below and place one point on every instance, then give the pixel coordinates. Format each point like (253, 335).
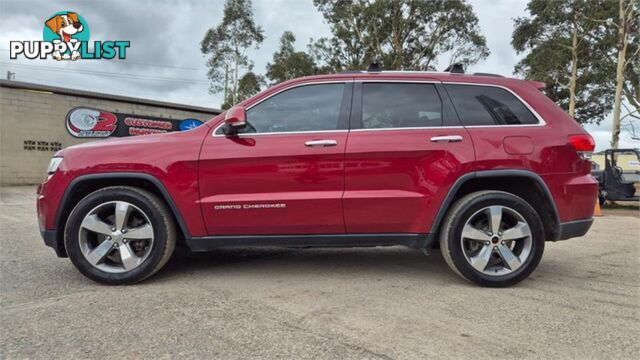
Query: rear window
(488, 105)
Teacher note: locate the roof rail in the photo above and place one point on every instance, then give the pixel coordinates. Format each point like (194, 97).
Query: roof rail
(375, 66)
(487, 74)
(452, 69)
(456, 68)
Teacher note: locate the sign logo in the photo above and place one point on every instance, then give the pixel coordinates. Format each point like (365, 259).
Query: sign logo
(83, 122)
(66, 37)
(91, 123)
(188, 124)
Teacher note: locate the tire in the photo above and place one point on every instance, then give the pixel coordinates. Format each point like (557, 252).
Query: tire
(602, 199)
(90, 233)
(461, 245)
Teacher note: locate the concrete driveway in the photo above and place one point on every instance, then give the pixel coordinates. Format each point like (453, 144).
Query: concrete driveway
(582, 302)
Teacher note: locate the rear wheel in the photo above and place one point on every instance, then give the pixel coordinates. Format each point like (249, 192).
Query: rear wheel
(492, 238)
(120, 235)
(602, 197)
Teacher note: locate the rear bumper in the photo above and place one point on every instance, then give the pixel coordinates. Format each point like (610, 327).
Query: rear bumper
(50, 238)
(574, 229)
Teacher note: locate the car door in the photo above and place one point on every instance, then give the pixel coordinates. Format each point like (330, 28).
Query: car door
(405, 150)
(284, 173)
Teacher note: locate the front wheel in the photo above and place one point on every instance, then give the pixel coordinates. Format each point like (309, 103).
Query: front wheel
(492, 238)
(120, 235)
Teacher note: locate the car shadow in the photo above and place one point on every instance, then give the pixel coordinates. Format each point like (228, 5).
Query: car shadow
(366, 262)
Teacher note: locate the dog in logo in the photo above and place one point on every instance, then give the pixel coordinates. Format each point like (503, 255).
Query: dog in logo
(65, 25)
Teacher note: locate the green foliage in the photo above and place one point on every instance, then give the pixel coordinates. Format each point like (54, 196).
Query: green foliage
(401, 34)
(288, 63)
(547, 39)
(226, 46)
(248, 85)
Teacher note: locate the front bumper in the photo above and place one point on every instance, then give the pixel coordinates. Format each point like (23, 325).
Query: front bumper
(50, 238)
(574, 229)
(48, 200)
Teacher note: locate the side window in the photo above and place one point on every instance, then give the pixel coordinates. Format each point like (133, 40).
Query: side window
(488, 105)
(398, 105)
(304, 108)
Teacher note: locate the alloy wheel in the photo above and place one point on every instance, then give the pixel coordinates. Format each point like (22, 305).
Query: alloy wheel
(116, 237)
(496, 240)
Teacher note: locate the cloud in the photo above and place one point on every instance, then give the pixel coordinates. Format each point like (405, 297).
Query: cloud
(602, 135)
(165, 43)
(165, 40)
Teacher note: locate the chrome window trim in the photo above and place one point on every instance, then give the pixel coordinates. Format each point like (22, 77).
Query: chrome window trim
(409, 128)
(541, 121)
(344, 81)
(286, 133)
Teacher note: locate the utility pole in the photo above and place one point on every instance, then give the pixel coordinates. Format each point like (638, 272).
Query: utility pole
(11, 75)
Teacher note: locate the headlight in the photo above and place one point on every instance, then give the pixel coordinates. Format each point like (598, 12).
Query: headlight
(54, 164)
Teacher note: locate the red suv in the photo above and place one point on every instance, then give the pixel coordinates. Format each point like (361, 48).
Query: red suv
(488, 166)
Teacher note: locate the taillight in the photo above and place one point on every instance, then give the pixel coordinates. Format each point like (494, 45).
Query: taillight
(583, 144)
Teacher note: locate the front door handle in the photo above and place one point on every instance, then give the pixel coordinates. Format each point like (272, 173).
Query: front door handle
(321, 143)
(447, 138)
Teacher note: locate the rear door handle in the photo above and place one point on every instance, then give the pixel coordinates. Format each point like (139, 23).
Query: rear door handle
(447, 138)
(320, 143)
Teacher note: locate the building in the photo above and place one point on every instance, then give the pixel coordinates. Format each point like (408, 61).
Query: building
(38, 120)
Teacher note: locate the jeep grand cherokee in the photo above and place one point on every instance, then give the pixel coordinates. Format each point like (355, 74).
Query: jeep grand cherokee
(487, 166)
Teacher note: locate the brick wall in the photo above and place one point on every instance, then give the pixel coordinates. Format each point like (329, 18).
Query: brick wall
(32, 128)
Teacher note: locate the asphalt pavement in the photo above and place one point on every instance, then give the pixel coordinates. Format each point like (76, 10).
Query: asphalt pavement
(583, 301)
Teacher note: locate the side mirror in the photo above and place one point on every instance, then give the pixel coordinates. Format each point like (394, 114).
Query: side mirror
(235, 120)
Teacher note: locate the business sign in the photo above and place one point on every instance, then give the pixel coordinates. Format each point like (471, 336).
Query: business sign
(85, 122)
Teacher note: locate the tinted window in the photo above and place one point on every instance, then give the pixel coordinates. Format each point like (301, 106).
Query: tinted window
(487, 105)
(391, 105)
(305, 108)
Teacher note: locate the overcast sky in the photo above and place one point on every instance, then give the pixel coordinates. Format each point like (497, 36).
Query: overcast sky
(165, 63)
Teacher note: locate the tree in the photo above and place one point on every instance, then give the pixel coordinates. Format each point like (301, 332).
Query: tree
(631, 85)
(632, 127)
(227, 44)
(627, 63)
(288, 63)
(248, 85)
(401, 34)
(563, 40)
